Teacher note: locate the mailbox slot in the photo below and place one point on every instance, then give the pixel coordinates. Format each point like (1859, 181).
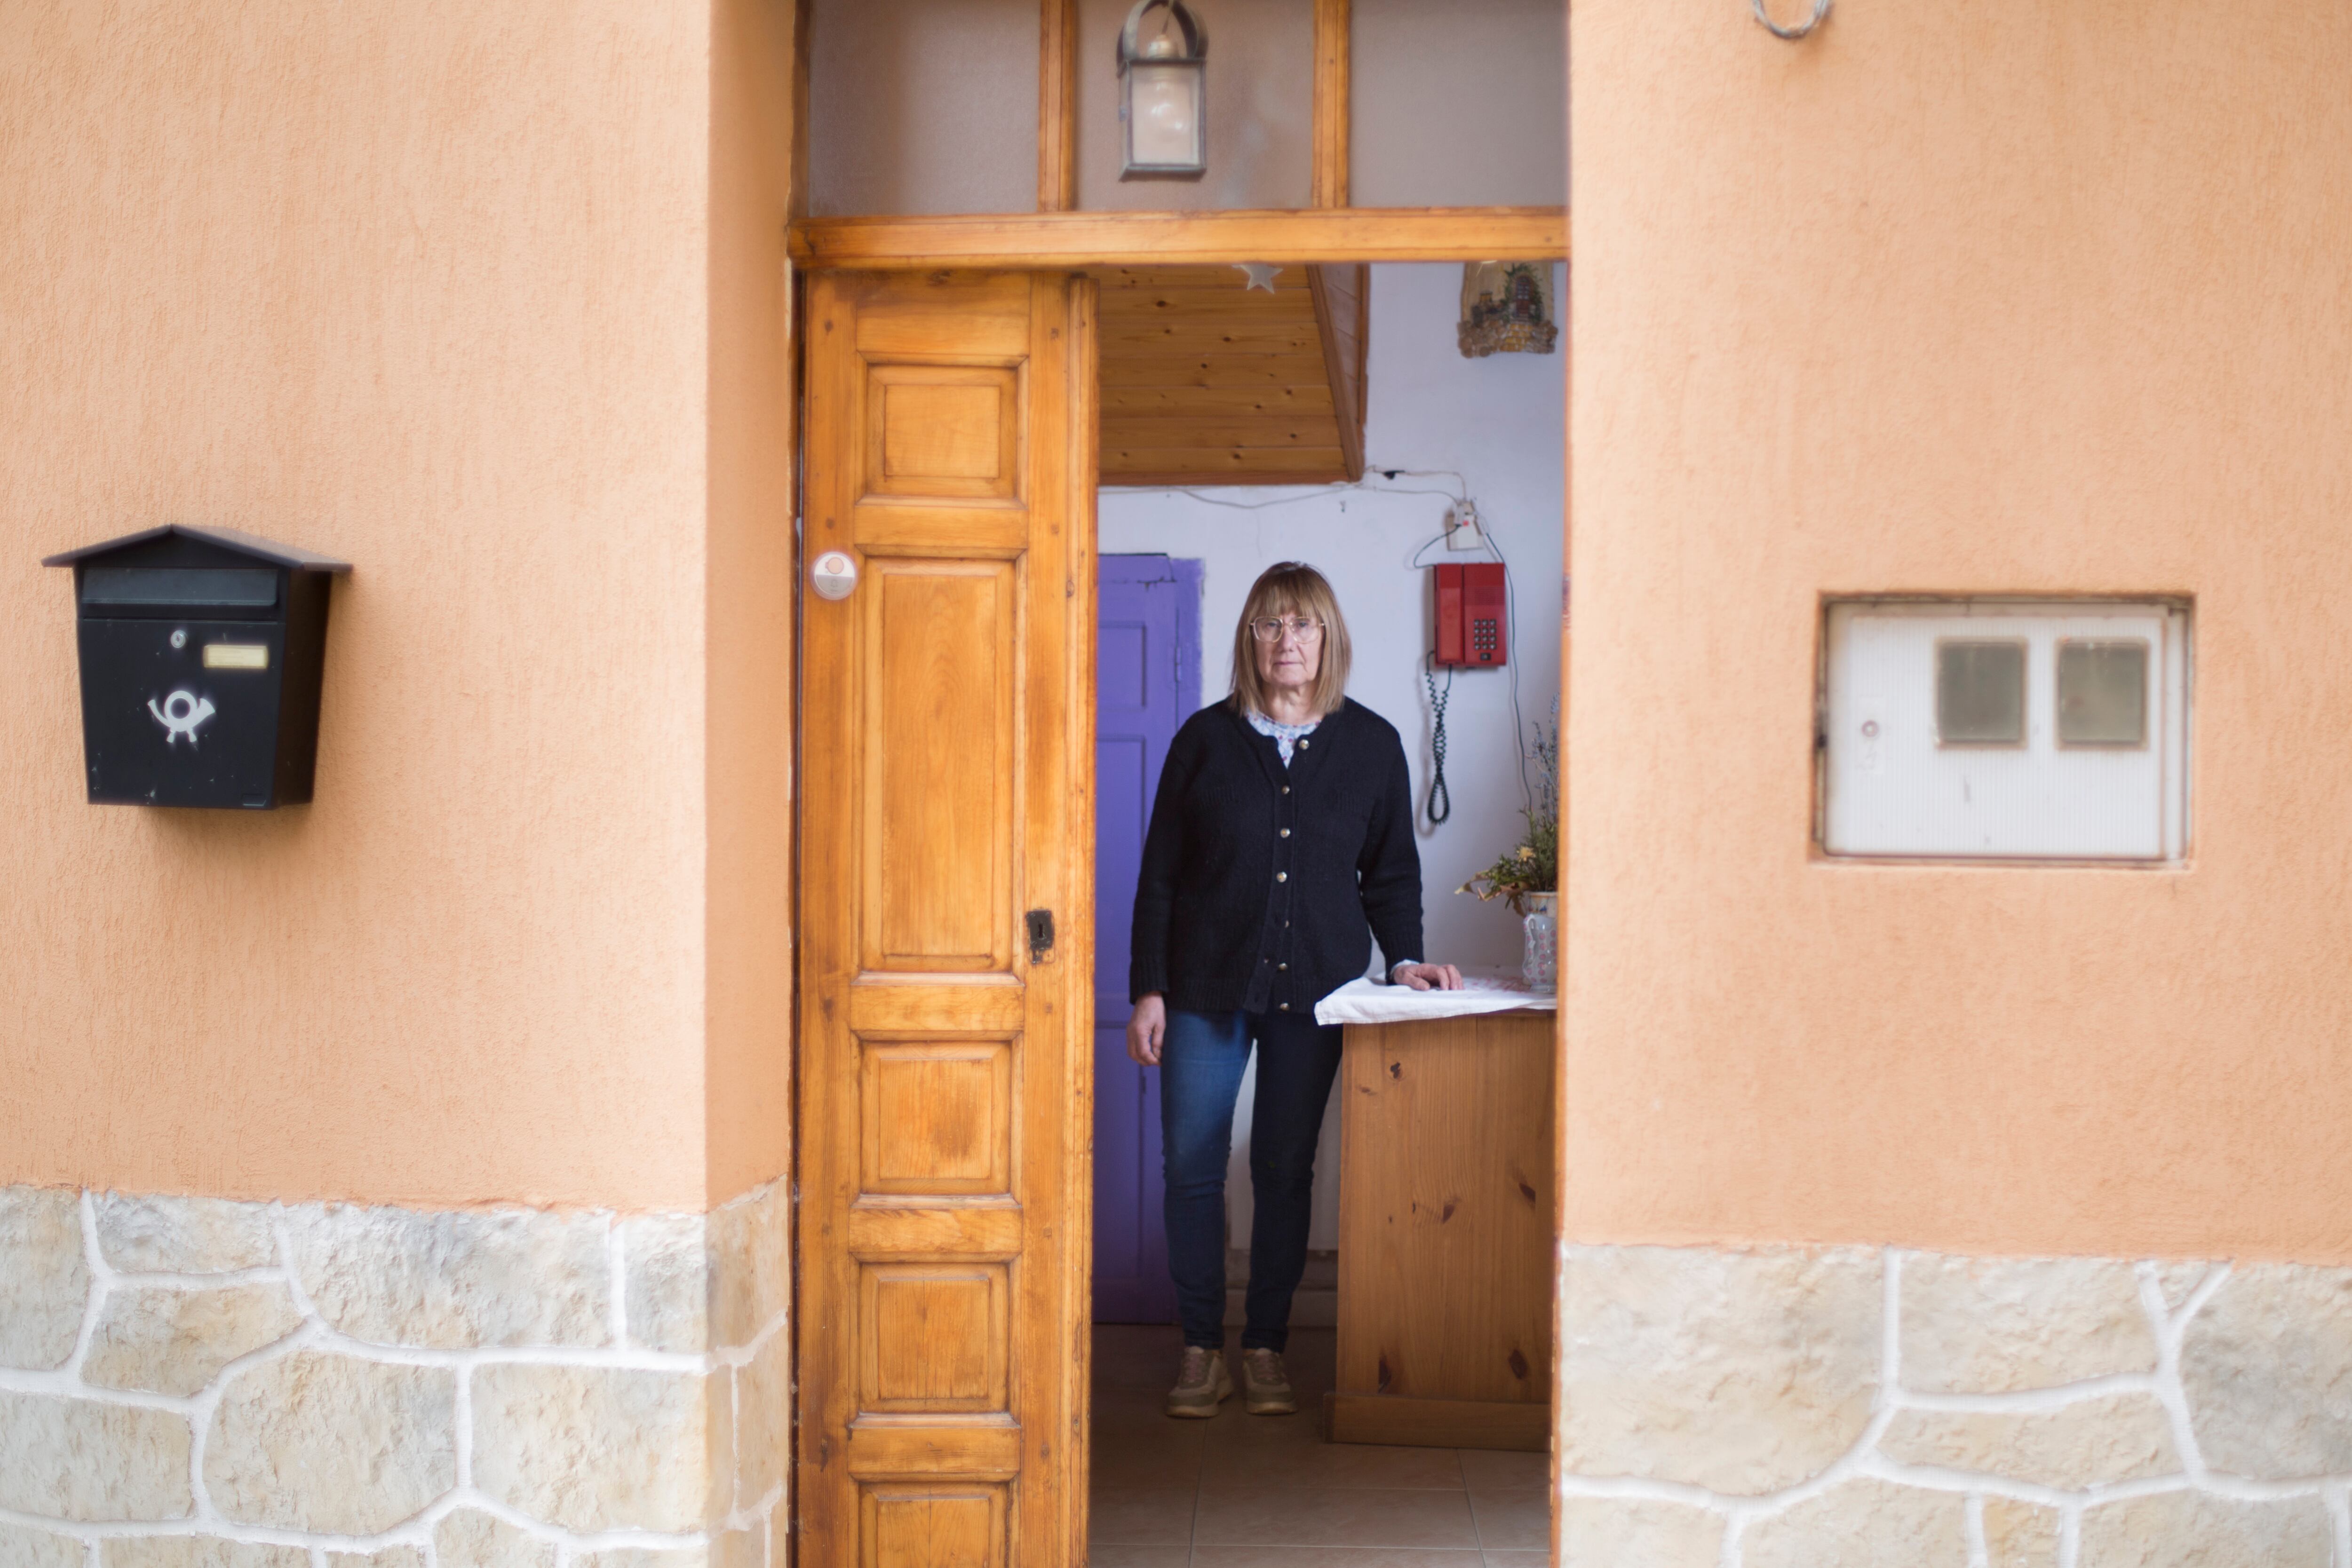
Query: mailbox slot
(169, 591)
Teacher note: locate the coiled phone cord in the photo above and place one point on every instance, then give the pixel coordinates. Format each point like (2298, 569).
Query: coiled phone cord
(1441, 800)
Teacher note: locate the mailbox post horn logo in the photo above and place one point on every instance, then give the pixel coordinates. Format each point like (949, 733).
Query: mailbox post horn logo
(180, 714)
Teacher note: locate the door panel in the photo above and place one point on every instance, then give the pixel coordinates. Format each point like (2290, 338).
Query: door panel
(945, 1083)
(960, 1526)
(942, 431)
(935, 1337)
(938, 1117)
(939, 834)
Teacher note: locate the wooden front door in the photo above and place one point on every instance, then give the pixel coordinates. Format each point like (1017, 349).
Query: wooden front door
(947, 820)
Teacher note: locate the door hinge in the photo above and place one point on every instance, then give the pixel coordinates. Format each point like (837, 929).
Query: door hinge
(1041, 936)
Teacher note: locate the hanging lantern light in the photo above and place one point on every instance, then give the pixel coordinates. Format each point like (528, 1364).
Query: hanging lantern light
(1164, 53)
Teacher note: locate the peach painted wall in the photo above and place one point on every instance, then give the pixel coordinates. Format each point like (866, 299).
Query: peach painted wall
(753, 588)
(433, 287)
(2050, 296)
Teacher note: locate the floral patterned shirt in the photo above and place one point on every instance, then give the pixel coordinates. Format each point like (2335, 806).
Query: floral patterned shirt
(1286, 735)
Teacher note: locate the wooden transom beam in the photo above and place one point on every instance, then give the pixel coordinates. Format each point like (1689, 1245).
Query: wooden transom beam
(1045, 240)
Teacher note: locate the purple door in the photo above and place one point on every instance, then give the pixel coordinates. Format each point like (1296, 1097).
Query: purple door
(1148, 682)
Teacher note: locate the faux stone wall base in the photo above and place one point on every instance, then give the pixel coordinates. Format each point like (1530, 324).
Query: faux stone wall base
(192, 1384)
(1840, 1408)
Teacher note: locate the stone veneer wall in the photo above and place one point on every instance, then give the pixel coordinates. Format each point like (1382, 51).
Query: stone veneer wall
(186, 1383)
(1838, 1408)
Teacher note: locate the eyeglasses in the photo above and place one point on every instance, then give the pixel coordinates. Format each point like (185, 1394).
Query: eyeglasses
(1271, 629)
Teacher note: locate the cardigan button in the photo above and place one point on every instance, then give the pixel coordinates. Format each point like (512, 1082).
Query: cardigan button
(1282, 876)
(1282, 965)
(1285, 789)
(1285, 832)
(1284, 1006)
(1302, 743)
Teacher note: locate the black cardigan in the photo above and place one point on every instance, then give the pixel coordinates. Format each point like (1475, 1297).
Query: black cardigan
(1259, 883)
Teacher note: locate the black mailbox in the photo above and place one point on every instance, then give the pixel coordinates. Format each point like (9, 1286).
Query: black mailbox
(202, 651)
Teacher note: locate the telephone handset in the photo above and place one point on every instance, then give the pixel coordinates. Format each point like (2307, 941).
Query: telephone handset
(1471, 629)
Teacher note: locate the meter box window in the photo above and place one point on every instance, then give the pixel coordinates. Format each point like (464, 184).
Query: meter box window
(2006, 728)
(202, 654)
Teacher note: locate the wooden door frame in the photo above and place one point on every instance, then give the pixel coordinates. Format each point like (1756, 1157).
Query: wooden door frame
(1053, 241)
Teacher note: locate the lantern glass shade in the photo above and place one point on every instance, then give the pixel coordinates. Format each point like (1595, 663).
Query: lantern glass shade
(1163, 70)
(1164, 119)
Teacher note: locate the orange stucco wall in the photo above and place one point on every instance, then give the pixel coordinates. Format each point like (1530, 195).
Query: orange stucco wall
(437, 289)
(753, 591)
(2043, 296)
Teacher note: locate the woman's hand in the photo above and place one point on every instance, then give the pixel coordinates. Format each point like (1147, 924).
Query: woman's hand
(1420, 977)
(1147, 1028)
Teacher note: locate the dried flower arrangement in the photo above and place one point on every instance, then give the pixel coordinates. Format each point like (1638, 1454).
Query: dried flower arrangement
(1533, 864)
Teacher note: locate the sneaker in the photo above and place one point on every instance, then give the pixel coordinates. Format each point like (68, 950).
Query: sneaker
(1265, 1387)
(1202, 1383)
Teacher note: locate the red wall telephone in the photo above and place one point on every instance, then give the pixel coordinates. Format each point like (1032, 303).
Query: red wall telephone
(1470, 615)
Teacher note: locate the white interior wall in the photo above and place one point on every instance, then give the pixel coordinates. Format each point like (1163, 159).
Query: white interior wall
(1498, 423)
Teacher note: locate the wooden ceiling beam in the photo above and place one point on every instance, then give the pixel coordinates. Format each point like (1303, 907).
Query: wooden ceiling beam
(1208, 309)
(1144, 338)
(1342, 322)
(1288, 281)
(1263, 371)
(1215, 403)
(1223, 465)
(1302, 431)
(1040, 241)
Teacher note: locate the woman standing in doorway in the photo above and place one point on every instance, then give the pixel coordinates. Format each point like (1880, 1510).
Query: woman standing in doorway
(1280, 848)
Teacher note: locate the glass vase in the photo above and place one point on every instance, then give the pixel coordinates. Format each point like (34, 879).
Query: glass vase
(1541, 964)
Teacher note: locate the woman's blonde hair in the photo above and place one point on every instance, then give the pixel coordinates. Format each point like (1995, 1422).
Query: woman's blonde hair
(1291, 588)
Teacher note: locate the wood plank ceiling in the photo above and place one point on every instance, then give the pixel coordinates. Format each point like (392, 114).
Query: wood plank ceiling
(1206, 381)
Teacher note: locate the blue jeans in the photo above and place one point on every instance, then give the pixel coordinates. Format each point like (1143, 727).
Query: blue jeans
(1200, 1064)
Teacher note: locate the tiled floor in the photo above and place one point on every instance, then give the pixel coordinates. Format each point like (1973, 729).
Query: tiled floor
(1258, 1492)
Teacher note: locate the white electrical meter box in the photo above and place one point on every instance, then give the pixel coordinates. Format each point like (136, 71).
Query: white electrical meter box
(2005, 728)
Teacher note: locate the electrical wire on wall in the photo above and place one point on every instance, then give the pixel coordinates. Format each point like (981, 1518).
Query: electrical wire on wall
(1510, 638)
(1321, 491)
(1440, 803)
(1511, 642)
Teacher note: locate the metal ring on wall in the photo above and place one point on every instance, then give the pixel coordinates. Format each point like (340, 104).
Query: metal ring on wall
(1821, 10)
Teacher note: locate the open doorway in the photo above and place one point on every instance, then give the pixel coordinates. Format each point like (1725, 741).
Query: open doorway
(946, 888)
(956, 405)
(1438, 429)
